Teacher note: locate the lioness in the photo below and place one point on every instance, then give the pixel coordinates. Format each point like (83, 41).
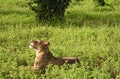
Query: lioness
(45, 57)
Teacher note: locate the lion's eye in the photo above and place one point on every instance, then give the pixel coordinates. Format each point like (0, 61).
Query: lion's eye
(35, 42)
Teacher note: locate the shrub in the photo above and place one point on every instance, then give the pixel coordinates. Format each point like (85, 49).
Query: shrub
(49, 9)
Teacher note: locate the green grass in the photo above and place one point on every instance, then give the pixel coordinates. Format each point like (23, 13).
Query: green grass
(90, 33)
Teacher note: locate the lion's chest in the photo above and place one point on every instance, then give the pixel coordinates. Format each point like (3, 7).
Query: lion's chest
(43, 57)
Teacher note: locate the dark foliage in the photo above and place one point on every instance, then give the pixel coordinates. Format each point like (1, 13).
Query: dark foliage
(49, 9)
(100, 2)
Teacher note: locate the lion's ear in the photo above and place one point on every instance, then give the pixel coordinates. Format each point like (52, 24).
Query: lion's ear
(46, 43)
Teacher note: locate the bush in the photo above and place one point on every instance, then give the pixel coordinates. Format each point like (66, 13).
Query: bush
(100, 2)
(49, 9)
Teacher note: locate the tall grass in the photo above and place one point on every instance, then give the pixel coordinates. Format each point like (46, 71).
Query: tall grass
(88, 33)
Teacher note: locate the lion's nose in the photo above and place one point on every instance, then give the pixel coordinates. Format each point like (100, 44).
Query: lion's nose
(30, 46)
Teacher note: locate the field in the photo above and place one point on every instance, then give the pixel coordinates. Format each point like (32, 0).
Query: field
(90, 33)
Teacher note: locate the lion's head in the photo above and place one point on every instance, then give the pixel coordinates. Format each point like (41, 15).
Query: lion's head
(39, 44)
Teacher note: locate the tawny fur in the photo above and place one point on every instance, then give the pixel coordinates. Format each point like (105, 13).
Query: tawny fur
(45, 57)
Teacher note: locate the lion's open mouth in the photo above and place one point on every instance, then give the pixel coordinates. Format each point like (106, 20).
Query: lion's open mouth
(31, 46)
